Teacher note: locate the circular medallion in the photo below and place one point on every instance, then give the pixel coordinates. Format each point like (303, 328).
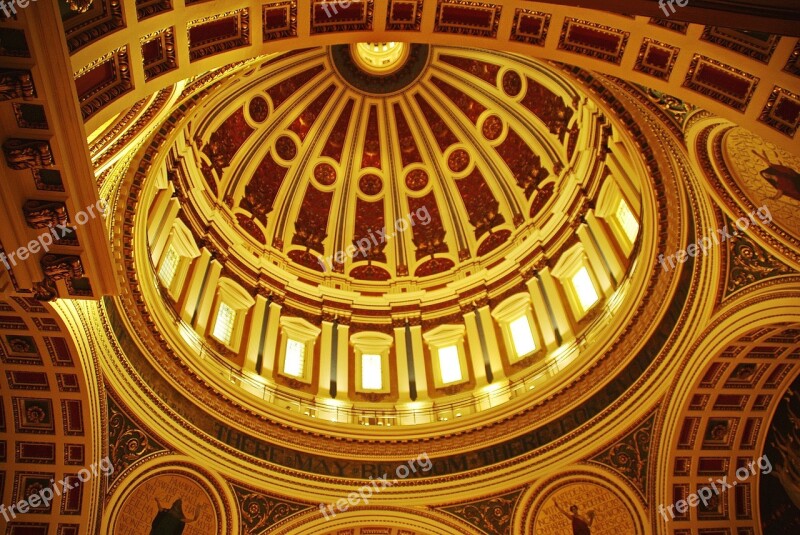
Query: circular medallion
(370, 184)
(512, 83)
(259, 109)
(416, 180)
(492, 127)
(286, 148)
(325, 174)
(458, 160)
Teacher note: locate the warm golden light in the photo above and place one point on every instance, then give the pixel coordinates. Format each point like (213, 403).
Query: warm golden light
(380, 58)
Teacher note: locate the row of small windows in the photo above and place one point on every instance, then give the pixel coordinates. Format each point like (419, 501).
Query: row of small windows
(449, 360)
(578, 278)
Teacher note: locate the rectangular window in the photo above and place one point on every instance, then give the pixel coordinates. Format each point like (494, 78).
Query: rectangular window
(169, 267)
(584, 288)
(449, 365)
(294, 363)
(371, 372)
(223, 327)
(522, 336)
(627, 220)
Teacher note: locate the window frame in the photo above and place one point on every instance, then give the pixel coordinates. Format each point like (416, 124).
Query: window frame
(298, 330)
(222, 305)
(371, 343)
(510, 310)
(442, 337)
(567, 267)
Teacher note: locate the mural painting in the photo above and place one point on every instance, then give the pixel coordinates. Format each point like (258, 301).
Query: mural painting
(167, 504)
(780, 490)
(768, 175)
(583, 508)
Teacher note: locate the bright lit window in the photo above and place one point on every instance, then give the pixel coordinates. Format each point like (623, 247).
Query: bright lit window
(449, 364)
(587, 295)
(294, 363)
(223, 327)
(522, 336)
(371, 372)
(169, 267)
(627, 220)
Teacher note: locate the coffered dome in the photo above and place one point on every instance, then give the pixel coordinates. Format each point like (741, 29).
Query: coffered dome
(318, 165)
(398, 247)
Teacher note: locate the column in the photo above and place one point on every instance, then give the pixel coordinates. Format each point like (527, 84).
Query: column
(165, 230)
(490, 337)
(419, 362)
(207, 295)
(326, 360)
(553, 297)
(600, 231)
(343, 362)
(191, 294)
(254, 336)
(403, 372)
(156, 214)
(541, 313)
(596, 260)
(475, 350)
(271, 340)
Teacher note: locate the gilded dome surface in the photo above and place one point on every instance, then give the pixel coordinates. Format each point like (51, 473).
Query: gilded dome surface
(466, 245)
(318, 170)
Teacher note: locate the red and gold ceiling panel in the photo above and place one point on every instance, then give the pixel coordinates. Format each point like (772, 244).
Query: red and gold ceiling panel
(309, 162)
(44, 418)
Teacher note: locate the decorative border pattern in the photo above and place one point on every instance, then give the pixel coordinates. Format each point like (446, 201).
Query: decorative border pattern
(782, 111)
(279, 20)
(719, 82)
(149, 8)
(452, 16)
(594, 40)
(530, 26)
(202, 48)
(656, 58)
(165, 61)
(741, 42)
(328, 16)
(114, 86)
(793, 63)
(86, 28)
(404, 15)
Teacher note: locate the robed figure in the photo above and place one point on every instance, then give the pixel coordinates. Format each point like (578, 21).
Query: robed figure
(581, 525)
(783, 178)
(171, 520)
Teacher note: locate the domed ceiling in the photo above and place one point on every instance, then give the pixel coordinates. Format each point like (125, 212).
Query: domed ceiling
(425, 231)
(341, 174)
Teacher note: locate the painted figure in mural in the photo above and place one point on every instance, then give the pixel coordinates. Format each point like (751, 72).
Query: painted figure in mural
(171, 520)
(580, 524)
(788, 469)
(785, 179)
